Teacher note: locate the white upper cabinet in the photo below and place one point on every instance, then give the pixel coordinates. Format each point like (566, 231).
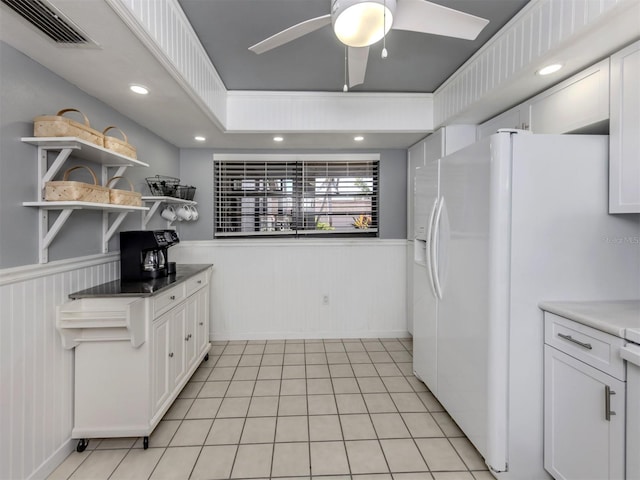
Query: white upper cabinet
(624, 131)
(509, 119)
(577, 104)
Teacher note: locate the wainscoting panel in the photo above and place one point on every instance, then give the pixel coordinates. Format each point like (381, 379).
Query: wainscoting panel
(36, 383)
(303, 288)
(543, 30)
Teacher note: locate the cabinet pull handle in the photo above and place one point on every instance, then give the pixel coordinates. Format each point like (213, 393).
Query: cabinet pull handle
(201, 323)
(172, 297)
(186, 339)
(171, 355)
(199, 281)
(607, 403)
(190, 335)
(577, 342)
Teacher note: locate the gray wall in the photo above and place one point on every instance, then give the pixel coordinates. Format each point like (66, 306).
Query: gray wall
(196, 168)
(27, 90)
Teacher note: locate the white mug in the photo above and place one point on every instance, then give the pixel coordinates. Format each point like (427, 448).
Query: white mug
(169, 213)
(184, 212)
(194, 212)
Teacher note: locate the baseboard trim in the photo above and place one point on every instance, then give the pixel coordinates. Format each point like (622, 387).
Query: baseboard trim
(308, 335)
(54, 461)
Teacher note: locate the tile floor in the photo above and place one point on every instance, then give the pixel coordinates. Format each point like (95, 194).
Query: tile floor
(335, 409)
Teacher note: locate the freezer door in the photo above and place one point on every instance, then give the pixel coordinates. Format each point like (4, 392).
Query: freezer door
(471, 354)
(425, 306)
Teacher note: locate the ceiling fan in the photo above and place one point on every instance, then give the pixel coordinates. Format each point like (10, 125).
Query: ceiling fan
(360, 23)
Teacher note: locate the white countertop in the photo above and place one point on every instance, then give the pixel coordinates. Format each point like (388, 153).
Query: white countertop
(620, 318)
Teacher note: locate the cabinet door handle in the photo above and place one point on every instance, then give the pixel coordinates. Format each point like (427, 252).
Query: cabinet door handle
(190, 335)
(172, 297)
(607, 403)
(577, 342)
(171, 355)
(201, 323)
(199, 281)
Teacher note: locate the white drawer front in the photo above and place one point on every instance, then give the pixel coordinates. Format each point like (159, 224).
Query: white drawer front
(166, 300)
(598, 349)
(196, 282)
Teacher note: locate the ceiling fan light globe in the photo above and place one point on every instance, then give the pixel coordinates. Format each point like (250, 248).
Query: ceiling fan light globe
(359, 23)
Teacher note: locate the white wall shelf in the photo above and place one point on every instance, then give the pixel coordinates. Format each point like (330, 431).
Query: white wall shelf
(86, 150)
(107, 207)
(81, 149)
(156, 201)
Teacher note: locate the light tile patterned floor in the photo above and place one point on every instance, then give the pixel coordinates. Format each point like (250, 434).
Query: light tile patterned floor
(336, 409)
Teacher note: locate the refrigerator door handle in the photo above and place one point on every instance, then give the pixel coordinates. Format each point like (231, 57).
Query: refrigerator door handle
(434, 251)
(429, 243)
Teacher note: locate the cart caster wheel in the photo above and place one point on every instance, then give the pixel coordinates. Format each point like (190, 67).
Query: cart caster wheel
(206, 357)
(82, 445)
(145, 442)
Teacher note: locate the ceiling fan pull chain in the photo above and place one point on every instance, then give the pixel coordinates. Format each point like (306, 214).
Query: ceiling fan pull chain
(384, 30)
(345, 88)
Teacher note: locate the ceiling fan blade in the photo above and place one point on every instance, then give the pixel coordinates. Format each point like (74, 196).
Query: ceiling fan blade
(357, 57)
(291, 33)
(426, 17)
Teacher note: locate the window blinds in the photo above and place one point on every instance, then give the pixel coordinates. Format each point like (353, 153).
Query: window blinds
(295, 197)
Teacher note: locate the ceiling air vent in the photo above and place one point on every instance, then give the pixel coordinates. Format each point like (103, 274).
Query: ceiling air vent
(48, 20)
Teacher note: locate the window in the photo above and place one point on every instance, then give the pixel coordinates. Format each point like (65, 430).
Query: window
(296, 195)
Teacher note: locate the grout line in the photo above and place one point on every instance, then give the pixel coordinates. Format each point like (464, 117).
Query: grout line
(306, 389)
(315, 366)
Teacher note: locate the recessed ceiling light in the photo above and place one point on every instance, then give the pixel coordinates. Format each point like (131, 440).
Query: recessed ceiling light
(359, 138)
(199, 138)
(139, 89)
(278, 139)
(549, 69)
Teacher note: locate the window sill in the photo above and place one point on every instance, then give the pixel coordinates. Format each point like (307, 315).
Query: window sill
(292, 242)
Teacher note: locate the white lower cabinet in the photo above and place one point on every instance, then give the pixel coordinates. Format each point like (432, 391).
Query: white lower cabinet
(161, 340)
(133, 356)
(172, 354)
(584, 406)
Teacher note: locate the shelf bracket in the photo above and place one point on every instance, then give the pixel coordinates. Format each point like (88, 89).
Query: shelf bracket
(109, 231)
(46, 234)
(46, 173)
(146, 216)
(121, 169)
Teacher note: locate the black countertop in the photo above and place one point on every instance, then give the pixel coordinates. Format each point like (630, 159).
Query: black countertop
(147, 288)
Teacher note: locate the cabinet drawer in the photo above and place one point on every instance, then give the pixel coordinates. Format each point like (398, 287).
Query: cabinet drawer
(196, 282)
(168, 299)
(587, 344)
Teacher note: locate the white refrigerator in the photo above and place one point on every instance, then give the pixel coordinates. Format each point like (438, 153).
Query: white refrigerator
(517, 219)
(425, 298)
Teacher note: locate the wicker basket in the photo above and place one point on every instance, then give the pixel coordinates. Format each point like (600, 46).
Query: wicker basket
(123, 147)
(59, 126)
(124, 197)
(65, 190)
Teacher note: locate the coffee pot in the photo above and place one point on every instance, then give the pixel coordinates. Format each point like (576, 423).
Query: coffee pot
(144, 254)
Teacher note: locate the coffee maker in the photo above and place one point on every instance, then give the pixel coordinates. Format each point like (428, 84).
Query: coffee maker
(144, 254)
